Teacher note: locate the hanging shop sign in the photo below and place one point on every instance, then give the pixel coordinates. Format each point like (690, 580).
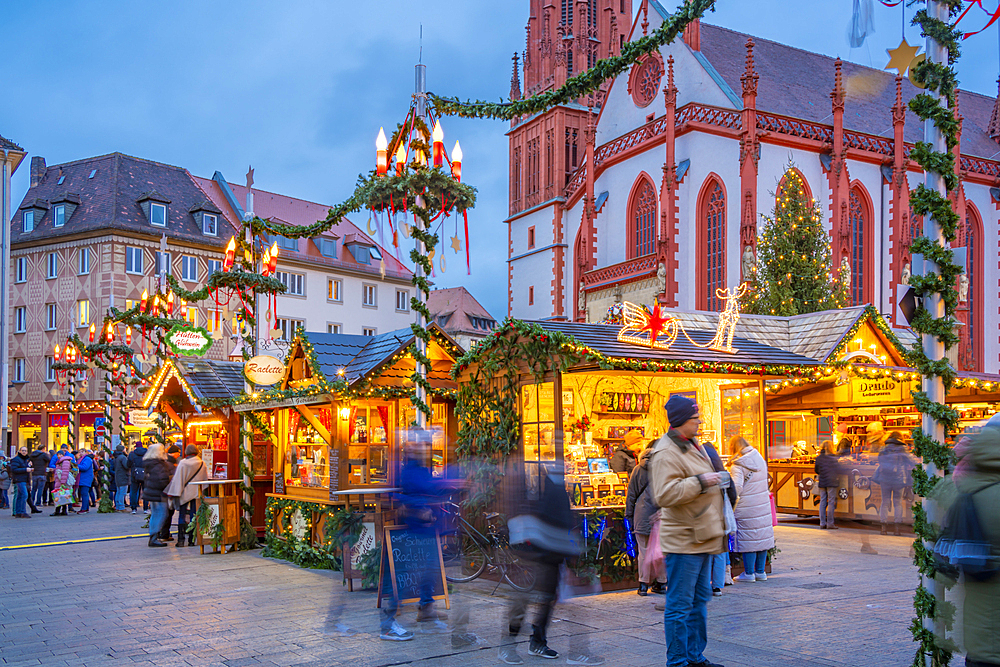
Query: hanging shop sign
(869, 391)
(140, 420)
(264, 370)
(188, 340)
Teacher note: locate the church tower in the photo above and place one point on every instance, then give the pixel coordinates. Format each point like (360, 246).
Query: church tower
(564, 38)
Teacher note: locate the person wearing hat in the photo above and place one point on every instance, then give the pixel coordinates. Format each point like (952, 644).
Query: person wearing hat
(624, 458)
(686, 487)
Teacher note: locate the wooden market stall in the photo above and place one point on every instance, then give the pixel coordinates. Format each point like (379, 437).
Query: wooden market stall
(338, 421)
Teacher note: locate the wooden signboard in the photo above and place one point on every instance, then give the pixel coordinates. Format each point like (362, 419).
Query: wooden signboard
(407, 555)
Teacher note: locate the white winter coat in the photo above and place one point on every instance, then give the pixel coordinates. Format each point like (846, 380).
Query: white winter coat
(754, 531)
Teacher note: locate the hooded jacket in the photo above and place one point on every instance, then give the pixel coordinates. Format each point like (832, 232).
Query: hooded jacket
(828, 471)
(978, 472)
(894, 465)
(4, 476)
(39, 462)
(121, 467)
(639, 505)
(691, 513)
(86, 465)
(623, 460)
(754, 531)
(157, 479)
(135, 461)
(18, 468)
(64, 464)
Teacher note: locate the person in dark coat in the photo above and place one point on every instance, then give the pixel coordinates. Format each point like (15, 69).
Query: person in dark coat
(893, 475)
(624, 458)
(39, 466)
(157, 478)
(85, 479)
(121, 475)
(19, 475)
(828, 471)
(641, 510)
(138, 476)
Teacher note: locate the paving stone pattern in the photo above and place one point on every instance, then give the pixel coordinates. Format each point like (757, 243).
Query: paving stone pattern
(122, 603)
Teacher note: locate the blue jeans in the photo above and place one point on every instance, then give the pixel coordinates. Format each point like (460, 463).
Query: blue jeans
(38, 489)
(20, 497)
(120, 497)
(891, 495)
(719, 563)
(827, 504)
(4, 500)
(685, 617)
(85, 498)
(754, 562)
(134, 490)
(156, 517)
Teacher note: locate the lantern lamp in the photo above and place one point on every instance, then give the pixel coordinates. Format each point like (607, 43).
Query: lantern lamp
(381, 146)
(55, 353)
(230, 255)
(400, 159)
(128, 335)
(456, 162)
(438, 136)
(110, 333)
(274, 258)
(145, 298)
(170, 303)
(265, 264)
(93, 329)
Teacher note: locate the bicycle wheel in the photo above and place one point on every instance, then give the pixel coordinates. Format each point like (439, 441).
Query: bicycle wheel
(464, 559)
(517, 572)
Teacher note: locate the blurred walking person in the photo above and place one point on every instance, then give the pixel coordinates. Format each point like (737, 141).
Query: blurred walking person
(692, 529)
(155, 482)
(173, 457)
(893, 475)
(641, 511)
(828, 471)
(754, 528)
(183, 493)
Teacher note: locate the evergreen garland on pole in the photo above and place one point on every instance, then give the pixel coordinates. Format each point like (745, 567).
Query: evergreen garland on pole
(794, 272)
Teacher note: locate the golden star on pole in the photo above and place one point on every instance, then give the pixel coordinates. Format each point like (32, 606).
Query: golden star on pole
(456, 244)
(901, 57)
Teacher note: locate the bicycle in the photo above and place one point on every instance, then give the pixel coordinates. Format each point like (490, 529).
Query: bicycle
(467, 552)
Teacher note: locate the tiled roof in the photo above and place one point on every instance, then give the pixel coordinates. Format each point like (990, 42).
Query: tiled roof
(213, 379)
(453, 309)
(110, 199)
(604, 339)
(797, 83)
(8, 145)
(289, 210)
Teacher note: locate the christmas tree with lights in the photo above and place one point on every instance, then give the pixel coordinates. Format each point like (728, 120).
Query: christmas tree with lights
(794, 272)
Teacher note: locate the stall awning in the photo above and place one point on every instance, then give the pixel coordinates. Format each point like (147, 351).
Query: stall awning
(202, 380)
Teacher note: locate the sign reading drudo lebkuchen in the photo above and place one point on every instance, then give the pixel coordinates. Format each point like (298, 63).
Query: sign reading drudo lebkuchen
(188, 340)
(264, 370)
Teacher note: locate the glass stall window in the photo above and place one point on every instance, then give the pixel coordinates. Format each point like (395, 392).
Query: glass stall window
(368, 445)
(538, 430)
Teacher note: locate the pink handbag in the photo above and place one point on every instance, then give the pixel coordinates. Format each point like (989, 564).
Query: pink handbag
(653, 565)
(774, 510)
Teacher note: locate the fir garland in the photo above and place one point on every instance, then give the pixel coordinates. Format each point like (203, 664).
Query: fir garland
(582, 84)
(936, 78)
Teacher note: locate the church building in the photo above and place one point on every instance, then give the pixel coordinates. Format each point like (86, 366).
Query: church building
(653, 189)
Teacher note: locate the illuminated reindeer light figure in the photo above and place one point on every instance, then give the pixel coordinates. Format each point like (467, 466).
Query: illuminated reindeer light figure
(730, 315)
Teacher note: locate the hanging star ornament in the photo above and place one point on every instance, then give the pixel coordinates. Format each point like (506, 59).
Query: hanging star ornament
(456, 244)
(901, 57)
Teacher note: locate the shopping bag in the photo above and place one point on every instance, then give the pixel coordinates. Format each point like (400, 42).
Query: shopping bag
(63, 496)
(653, 565)
(774, 510)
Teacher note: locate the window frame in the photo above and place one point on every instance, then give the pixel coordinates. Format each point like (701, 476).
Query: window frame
(641, 225)
(285, 325)
(186, 261)
(212, 266)
(50, 374)
(531, 237)
(365, 331)
(83, 262)
(21, 270)
(712, 204)
(205, 217)
(290, 278)
(52, 266)
(59, 215)
(18, 372)
(20, 319)
(406, 300)
(364, 295)
(81, 306)
(133, 252)
(152, 219)
(339, 326)
(51, 316)
(332, 244)
(26, 226)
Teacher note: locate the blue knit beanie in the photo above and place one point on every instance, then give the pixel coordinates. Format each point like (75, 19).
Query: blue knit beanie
(680, 409)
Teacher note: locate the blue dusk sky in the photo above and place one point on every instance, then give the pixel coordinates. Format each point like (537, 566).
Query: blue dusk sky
(299, 89)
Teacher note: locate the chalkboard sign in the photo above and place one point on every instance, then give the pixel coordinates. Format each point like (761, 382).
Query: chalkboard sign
(406, 555)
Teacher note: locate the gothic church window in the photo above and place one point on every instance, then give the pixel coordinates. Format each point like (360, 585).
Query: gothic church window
(642, 219)
(859, 219)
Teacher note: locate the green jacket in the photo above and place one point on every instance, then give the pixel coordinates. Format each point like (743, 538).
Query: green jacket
(978, 468)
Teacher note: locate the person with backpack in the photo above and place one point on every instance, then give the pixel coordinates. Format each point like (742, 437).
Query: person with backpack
(828, 471)
(156, 479)
(968, 499)
(138, 476)
(893, 475)
(20, 472)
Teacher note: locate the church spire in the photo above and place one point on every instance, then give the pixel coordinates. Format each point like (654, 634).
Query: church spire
(515, 81)
(993, 127)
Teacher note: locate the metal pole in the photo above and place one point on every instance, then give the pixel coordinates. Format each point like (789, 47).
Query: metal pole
(107, 502)
(933, 348)
(420, 88)
(71, 437)
(4, 298)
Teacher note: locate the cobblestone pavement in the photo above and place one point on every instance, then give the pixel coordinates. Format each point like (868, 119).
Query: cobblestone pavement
(118, 602)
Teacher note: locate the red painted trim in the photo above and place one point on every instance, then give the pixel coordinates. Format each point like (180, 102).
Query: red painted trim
(701, 237)
(630, 213)
(975, 220)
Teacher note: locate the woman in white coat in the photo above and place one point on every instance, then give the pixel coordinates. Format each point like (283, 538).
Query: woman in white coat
(184, 494)
(754, 531)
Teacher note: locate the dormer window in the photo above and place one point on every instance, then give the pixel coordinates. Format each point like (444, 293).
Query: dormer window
(27, 221)
(328, 248)
(59, 215)
(157, 215)
(210, 225)
(285, 243)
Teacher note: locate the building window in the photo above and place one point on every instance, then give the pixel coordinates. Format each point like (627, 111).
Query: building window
(970, 233)
(163, 263)
(189, 268)
(712, 245)
(130, 304)
(285, 243)
(334, 328)
(27, 221)
(20, 319)
(328, 248)
(531, 296)
(295, 282)
(83, 313)
(209, 224)
(859, 222)
(50, 373)
(59, 215)
(369, 295)
(368, 331)
(214, 266)
(642, 219)
(51, 265)
(158, 215)
(335, 290)
(192, 316)
(51, 317)
(288, 327)
(133, 260)
(214, 320)
(84, 261)
(531, 238)
(402, 300)
(21, 270)
(18, 370)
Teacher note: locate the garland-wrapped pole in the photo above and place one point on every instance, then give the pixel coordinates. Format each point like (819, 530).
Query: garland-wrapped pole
(71, 387)
(107, 470)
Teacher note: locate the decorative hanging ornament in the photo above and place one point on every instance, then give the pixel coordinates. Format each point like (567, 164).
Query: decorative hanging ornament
(901, 58)
(456, 244)
(371, 230)
(407, 229)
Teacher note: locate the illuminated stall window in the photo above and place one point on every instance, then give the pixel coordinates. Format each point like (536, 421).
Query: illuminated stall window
(538, 428)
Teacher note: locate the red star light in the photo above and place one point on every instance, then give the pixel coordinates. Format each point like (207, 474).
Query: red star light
(655, 324)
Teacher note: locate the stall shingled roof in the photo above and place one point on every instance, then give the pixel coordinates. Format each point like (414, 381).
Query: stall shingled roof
(212, 379)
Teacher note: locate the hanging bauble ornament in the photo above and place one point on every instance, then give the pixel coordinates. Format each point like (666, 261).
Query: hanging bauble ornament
(371, 230)
(275, 334)
(441, 262)
(456, 244)
(83, 385)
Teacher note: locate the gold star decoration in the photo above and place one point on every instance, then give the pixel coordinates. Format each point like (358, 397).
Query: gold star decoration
(456, 244)
(901, 57)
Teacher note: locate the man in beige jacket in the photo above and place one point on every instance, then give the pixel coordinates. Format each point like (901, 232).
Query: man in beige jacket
(692, 525)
